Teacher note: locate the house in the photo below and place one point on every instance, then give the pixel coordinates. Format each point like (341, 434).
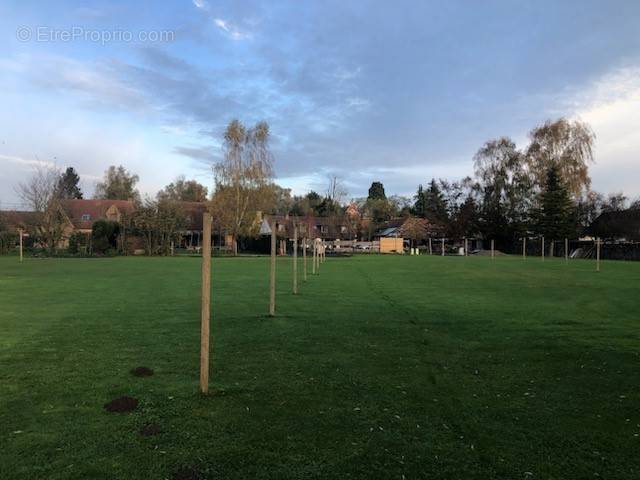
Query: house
(621, 225)
(311, 226)
(83, 213)
(14, 220)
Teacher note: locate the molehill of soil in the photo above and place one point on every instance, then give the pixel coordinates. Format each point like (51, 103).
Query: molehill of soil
(141, 372)
(121, 404)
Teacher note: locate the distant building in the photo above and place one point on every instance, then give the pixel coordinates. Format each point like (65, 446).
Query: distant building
(622, 225)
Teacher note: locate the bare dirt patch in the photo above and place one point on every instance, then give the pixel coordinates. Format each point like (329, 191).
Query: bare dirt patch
(121, 404)
(141, 372)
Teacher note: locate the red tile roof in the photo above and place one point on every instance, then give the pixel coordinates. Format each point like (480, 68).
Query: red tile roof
(95, 209)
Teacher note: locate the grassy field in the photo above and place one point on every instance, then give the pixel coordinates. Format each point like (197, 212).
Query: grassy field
(382, 367)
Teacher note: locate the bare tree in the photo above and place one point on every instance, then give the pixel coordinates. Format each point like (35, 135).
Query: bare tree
(41, 194)
(159, 222)
(38, 191)
(336, 191)
(243, 177)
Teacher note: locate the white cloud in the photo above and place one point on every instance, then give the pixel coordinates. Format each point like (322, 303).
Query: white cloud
(201, 4)
(612, 107)
(231, 30)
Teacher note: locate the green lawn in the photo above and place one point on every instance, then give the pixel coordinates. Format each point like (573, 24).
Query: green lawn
(382, 367)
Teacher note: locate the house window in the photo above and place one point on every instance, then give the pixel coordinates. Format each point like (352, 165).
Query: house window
(86, 216)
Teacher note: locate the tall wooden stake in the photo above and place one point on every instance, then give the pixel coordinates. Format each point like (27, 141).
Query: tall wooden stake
(430, 248)
(493, 248)
(542, 253)
(20, 245)
(295, 259)
(304, 258)
(272, 273)
(206, 303)
(598, 254)
(524, 248)
(313, 258)
(443, 247)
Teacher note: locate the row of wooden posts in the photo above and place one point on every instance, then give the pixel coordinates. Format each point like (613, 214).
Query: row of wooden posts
(598, 244)
(319, 257)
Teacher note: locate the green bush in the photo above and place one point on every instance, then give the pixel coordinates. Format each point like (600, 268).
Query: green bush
(104, 236)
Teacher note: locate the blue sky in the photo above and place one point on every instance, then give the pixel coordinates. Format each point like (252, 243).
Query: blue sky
(393, 91)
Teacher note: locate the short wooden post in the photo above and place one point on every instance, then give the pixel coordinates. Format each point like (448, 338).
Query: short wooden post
(272, 273)
(598, 254)
(524, 248)
(206, 303)
(566, 250)
(304, 258)
(443, 247)
(21, 245)
(493, 248)
(295, 259)
(542, 252)
(430, 247)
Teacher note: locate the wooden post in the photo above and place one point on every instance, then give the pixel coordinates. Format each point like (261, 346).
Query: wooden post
(598, 254)
(295, 259)
(542, 253)
(493, 248)
(430, 247)
(272, 273)
(304, 258)
(443, 246)
(313, 258)
(172, 248)
(206, 303)
(21, 246)
(566, 250)
(524, 248)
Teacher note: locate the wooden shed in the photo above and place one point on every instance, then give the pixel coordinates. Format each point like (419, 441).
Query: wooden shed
(391, 245)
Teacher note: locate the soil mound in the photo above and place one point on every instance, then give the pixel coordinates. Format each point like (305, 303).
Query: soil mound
(121, 404)
(141, 372)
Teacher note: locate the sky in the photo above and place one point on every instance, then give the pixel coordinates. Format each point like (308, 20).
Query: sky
(397, 92)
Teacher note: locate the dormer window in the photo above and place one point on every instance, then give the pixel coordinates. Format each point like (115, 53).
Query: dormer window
(86, 217)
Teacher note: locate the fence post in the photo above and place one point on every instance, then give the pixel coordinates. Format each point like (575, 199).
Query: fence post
(598, 254)
(542, 253)
(295, 259)
(566, 250)
(430, 247)
(443, 246)
(304, 258)
(206, 303)
(272, 273)
(20, 245)
(524, 248)
(493, 248)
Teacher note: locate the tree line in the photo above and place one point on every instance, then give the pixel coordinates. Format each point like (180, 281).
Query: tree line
(543, 188)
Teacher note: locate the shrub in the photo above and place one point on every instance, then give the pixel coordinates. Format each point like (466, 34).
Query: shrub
(104, 236)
